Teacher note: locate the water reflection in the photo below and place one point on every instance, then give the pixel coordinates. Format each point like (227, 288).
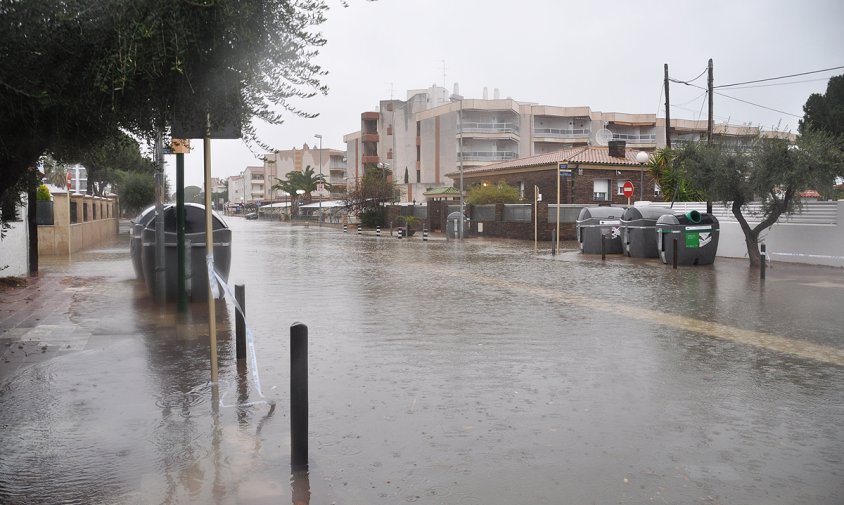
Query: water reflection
(443, 372)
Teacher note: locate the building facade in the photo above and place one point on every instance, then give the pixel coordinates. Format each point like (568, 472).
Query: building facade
(331, 163)
(425, 137)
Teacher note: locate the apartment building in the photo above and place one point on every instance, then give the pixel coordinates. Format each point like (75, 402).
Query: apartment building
(254, 184)
(236, 189)
(426, 136)
(329, 162)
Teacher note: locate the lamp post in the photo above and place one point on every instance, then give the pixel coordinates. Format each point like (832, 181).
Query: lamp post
(299, 192)
(319, 136)
(642, 157)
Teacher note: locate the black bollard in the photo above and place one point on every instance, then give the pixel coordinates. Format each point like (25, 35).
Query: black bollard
(240, 322)
(345, 230)
(674, 259)
(299, 395)
(360, 232)
(424, 234)
(400, 233)
(603, 247)
(377, 231)
(553, 242)
(764, 262)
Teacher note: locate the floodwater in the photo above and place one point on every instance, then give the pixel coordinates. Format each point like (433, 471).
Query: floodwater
(441, 373)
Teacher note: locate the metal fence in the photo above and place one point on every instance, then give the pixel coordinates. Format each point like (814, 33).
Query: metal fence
(518, 213)
(483, 212)
(810, 213)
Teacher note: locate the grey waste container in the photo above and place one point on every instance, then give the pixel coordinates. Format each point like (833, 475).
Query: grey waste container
(696, 234)
(453, 225)
(638, 231)
(194, 257)
(594, 223)
(137, 239)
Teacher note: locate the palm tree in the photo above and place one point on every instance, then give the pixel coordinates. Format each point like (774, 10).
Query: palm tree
(55, 172)
(305, 180)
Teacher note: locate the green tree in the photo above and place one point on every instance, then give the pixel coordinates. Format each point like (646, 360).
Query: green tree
(75, 72)
(825, 112)
(675, 185)
(498, 193)
(137, 191)
(771, 170)
(305, 180)
(102, 161)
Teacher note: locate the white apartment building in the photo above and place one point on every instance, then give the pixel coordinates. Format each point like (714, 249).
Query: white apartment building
(420, 138)
(236, 189)
(254, 184)
(331, 163)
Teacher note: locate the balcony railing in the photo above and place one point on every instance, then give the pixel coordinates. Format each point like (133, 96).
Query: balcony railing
(487, 155)
(369, 137)
(490, 128)
(635, 139)
(369, 159)
(561, 133)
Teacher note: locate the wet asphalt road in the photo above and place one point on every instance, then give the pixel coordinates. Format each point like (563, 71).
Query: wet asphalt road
(440, 372)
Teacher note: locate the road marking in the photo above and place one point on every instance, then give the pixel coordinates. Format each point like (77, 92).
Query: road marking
(784, 345)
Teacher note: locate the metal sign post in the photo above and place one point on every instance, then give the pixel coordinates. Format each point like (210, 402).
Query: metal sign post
(563, 170)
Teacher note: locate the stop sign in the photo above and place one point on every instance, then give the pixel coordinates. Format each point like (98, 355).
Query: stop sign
(628, 189)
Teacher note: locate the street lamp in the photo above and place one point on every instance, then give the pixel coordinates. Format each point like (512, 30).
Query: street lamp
(319, 136)
(642, 157)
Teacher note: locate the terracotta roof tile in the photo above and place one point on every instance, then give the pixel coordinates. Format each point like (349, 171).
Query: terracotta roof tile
(590, 155)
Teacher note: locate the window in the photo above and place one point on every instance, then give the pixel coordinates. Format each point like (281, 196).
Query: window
(620, 187)
(657, 190)
(600, 189)
(521, 185)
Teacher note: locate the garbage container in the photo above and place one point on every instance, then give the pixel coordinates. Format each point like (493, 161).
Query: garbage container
(453, 225)
(194, 256)
(137, 239)
(638, 231)
(696, 234)
(593, 224)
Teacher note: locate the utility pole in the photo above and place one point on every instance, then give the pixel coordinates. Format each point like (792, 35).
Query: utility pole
(709, 81)
(709, 90)
(667, 112)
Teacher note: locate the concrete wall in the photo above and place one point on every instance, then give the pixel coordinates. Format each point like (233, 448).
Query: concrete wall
(14, 247)
(96, 222)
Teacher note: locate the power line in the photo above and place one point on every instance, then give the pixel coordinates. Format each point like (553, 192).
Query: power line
(776, 78)
(782, 83)
(757, 105)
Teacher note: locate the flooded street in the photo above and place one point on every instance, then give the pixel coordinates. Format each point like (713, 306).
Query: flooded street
(441, 372)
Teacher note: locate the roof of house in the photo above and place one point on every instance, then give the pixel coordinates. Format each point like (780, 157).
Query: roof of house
(586, 155)
(443, 191)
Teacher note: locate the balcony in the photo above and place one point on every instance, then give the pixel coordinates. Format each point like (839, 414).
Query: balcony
(557, 134)
(369, 159)
(369, 116)
(635, 139)
(487, 156)
(490, 129)
(369, 137)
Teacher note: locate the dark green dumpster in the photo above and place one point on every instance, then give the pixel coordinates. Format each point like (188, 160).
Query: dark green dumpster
(696, 234)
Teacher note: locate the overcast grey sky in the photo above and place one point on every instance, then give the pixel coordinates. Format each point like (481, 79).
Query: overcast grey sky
(607, 55)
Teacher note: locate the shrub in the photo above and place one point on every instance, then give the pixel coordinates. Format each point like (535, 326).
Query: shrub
(43, 194)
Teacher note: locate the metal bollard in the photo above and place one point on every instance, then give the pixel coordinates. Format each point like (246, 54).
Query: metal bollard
(553, 242)
(345, 228)
(359, 230)
(603, 247)
(674, 259)
(240, 322)
(400, 233)
(377, 231)
(424, 234)
(298, 395)
(764, 261)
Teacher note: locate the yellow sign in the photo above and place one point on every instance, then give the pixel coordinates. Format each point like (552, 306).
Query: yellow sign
(180, 146)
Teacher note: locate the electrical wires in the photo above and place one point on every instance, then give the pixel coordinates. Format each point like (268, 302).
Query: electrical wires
(776, 78)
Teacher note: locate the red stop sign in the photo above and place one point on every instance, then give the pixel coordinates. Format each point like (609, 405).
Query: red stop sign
(628, 189)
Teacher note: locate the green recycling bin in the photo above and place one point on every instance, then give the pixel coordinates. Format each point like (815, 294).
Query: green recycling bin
(696, 234)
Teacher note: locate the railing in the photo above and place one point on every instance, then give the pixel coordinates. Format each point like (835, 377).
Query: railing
(490, 128)
(487, 155)
(639, 139)
(483, 212)
(517, 213)
(561, 133)
(817, 213)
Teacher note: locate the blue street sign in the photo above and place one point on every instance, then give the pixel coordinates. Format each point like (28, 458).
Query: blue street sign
(565, 171)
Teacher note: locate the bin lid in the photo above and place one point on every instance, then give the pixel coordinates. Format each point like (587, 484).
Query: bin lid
(194, 219)
(600, 212)
(454, 215)
(646, 212)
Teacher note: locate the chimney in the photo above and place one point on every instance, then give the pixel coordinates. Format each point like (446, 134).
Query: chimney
(486, 95)
(616, 148)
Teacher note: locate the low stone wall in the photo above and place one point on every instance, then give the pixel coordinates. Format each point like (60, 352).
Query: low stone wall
(94, 222)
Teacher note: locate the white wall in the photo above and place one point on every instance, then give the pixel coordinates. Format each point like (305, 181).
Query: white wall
(14, 247)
